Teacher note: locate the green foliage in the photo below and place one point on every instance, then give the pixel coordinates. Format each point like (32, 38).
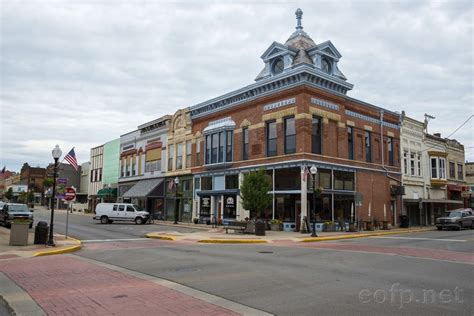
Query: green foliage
(30, 197)
(276, 222)
(9, 194)
(254, 192)
(48, 182)
(23, 197)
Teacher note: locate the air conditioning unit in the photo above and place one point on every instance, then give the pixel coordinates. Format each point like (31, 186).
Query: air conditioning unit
(397, 190)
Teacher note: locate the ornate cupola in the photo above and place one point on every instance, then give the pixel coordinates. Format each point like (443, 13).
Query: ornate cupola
(300, 50)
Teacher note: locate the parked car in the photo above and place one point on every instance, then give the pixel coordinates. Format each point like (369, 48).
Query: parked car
(13, 211)
(457, 219)
(107, 213)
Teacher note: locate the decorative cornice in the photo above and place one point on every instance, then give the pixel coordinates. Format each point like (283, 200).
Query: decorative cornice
(279, 104)
(370, 119)
(325, 104)
(301, 75)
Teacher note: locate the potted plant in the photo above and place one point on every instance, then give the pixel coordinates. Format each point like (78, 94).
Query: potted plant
(19, 232)
(195, 220)
(329, 226)
(276, 225)
(352, 227)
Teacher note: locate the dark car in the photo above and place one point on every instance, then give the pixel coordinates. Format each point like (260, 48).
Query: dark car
(457, 219)
(14, 211)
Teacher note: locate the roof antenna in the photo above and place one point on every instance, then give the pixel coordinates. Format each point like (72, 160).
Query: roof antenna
(299, 15)
(427, 119)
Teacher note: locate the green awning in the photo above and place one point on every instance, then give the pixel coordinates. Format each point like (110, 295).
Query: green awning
(107, 192)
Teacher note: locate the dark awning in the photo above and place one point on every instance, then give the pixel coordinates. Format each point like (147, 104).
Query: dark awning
(433, 201)
(107, 192)
(143, 188)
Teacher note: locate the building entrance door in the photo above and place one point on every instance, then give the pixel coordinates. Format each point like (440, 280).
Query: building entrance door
(298, 215)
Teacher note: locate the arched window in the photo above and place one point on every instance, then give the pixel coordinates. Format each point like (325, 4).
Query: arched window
(277, 67)
(326, 66)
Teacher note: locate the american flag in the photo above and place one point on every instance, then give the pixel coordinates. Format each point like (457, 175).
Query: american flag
(171, 185)
(306, 172)
(71, 158)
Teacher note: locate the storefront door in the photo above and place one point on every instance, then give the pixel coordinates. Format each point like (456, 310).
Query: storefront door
(298, 214)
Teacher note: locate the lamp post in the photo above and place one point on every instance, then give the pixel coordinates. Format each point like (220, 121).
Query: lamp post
(314, 170)
(56, 155)
(176, 182)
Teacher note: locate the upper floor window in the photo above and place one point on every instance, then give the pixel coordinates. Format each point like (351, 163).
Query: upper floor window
(419, 165)
(271, 138)
(412, 164)
(405, 162)
(368, 147)
(208, 148)
(188, 154)
(170, 157)
(215, 146)
(179, 156)
(228, 152)
(460, 172)
(219, 147)
(316, 135)
(198, 152)
(245, 143)
(390, 151)
(350, 142)
(290, 135)
(452, 172)
(325, 66)
(438, 168)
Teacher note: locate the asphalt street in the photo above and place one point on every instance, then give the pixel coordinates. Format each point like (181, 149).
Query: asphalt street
(292, 280)
(82, 226)
(384, 275)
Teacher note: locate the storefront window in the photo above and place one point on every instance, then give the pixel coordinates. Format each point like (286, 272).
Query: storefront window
(324, 179)
(206, 183)
(231, 181)
(343, 180)
(342, 207)
(230, 207)
(288, 179)
(205, 206)
(285, 207)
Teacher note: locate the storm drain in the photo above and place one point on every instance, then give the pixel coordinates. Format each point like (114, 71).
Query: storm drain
(265, 252)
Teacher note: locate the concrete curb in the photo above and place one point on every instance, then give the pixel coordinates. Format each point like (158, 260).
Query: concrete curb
(316, 239)
(59, 251)
(157, 236)
(232, 241)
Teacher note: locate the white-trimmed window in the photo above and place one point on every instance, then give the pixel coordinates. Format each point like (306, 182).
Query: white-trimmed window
(405, 162)
(419, 165)
(438, 168)
(412, 164)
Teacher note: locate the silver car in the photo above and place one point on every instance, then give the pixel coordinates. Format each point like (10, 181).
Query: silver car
(12, 211)
(457, 219)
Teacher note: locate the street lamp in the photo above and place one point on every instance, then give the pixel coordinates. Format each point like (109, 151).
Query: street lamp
(176, 182)
(314, 170)
(56, 155)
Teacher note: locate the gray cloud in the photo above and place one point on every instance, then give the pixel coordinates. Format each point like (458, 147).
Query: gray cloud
(82, 73)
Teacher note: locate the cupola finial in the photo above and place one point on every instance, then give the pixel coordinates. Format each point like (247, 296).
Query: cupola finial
(299, 15)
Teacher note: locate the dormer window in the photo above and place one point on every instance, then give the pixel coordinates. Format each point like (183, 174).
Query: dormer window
(326, 66)
(278, 66)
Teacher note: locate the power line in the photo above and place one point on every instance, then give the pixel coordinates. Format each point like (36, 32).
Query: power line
(470, 117)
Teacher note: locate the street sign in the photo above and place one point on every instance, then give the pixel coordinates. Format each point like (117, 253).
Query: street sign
(70, 194)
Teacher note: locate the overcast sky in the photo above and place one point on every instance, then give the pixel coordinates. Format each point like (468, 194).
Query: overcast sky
(81, 73)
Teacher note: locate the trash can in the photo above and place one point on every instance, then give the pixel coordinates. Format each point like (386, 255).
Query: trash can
(41, 233)
(404, 222)
(260, 228)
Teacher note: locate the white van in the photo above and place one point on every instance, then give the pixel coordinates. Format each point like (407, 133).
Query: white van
(109, 212)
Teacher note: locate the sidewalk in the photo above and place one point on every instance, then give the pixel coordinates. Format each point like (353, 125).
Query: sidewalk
(218, 235)
(10, 252)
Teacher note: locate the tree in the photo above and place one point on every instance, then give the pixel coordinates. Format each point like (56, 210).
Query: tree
(254, 192)
(9, 194)
(48, 182)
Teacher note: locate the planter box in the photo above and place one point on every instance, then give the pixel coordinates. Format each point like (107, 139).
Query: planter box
(276, 227)
(19, 234)
(329, 228)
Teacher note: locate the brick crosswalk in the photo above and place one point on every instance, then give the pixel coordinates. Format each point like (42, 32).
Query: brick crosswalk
(68, 286)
